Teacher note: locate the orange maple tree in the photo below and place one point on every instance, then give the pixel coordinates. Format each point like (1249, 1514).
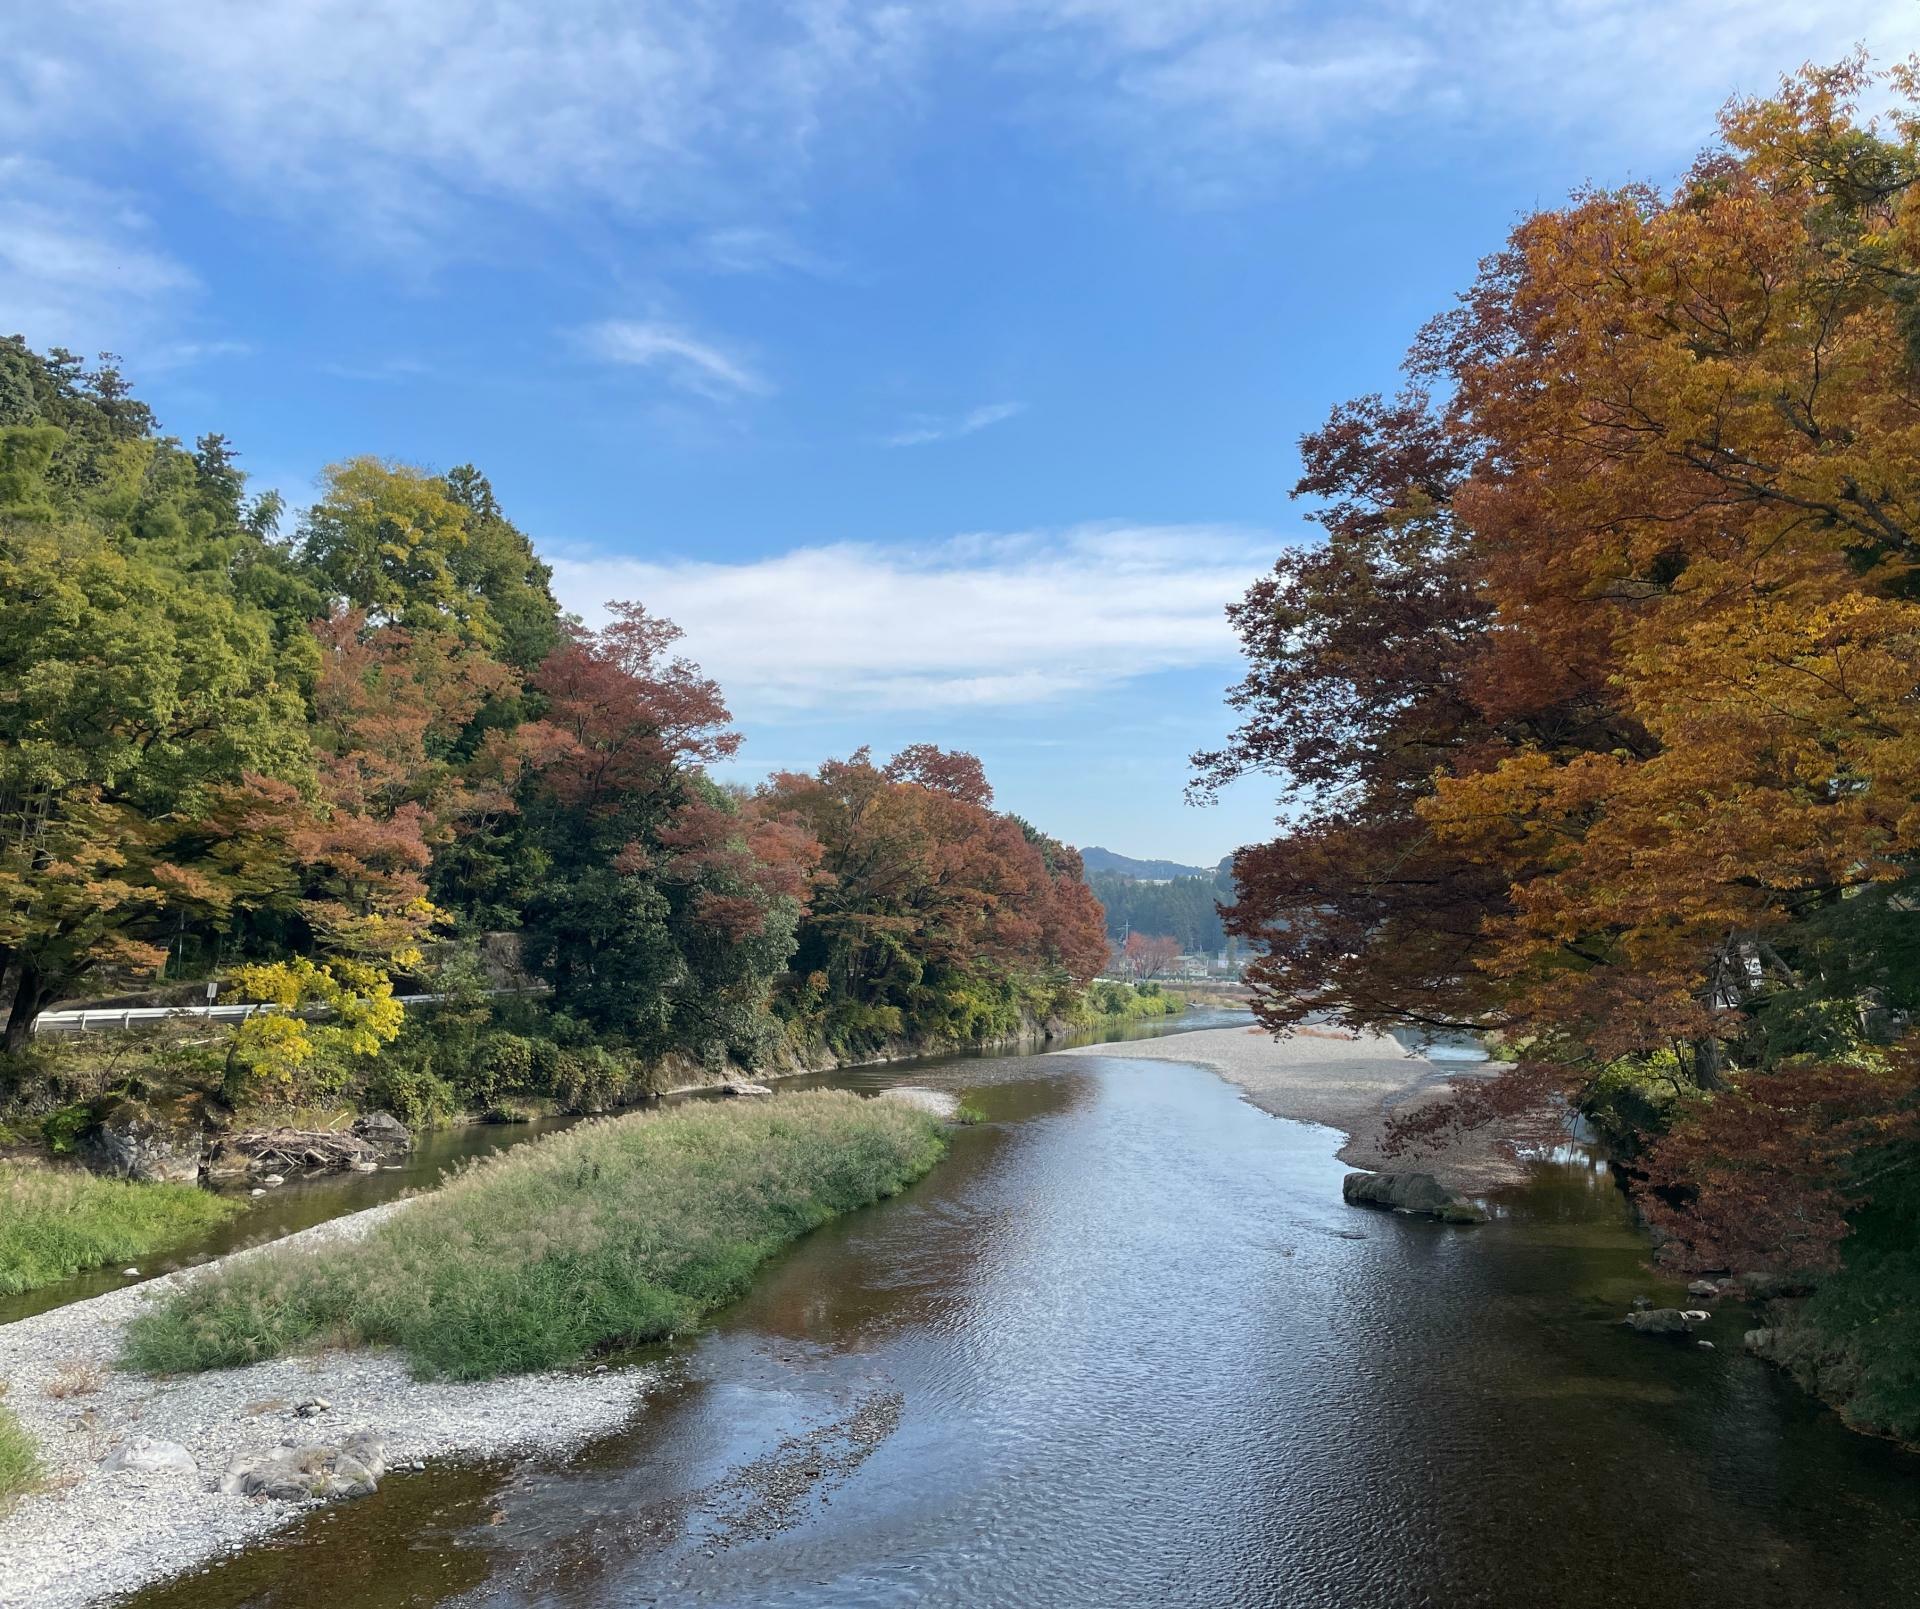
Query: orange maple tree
(1601, 703)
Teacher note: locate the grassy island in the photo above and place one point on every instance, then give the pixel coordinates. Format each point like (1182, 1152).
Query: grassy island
(613, 1233)
(56, 1222)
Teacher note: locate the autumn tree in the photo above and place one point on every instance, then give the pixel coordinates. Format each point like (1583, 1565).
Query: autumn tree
(1150, 955)
(1603, 681)
(664, 911)
(1598, 710)
(135, 690)
(933, 914)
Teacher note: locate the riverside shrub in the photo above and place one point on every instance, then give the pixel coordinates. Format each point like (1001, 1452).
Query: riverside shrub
(54, 1223)
(613, 1233)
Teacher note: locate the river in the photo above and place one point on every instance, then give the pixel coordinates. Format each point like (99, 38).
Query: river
(1127, 1347)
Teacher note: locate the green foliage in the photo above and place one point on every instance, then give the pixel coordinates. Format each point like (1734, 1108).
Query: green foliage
(411, 1090)
(54, 1222)
(1633, 1098)
(1870, 1310)
(1128, 1002)
(19, 1460)
(610, 1234)
(63, 1126)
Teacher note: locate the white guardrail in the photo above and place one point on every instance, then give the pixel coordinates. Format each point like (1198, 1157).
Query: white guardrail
(117, 1019)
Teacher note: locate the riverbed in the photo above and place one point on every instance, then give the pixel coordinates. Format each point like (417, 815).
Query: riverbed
(305, 1201)
(1127, 1347)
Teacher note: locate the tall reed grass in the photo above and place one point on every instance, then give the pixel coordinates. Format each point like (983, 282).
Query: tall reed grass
(55, 1222)
(19, 1460)
(613, 1233)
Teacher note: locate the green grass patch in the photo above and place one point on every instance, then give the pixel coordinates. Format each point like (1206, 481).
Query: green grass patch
(55, 1222)
(1125, 1002)
(19, 1459)
(613, 1233)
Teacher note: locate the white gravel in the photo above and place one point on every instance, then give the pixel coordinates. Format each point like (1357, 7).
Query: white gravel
(91, 1535)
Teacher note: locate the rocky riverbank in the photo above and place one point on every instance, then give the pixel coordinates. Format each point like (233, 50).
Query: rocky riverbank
(94, 1532)
(1354, 1082)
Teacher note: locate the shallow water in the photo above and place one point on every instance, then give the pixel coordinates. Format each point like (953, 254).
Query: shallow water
(1126, 1347)
(304, 1201)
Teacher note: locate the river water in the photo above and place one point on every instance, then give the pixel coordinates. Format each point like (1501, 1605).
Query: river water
(1127, 1347)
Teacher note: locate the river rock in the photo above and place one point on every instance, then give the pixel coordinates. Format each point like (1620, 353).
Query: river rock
(150, 1454)
(133, 1140)
(1409, 1192)
(293, 1473)
(1704, 1287)
(384, 1130)
(738, 1087)
(1659, 1321)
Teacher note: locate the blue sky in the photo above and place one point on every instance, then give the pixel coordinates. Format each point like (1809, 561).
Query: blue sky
(937, 366)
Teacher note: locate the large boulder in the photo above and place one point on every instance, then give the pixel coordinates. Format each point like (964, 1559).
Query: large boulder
(149, 1454)
(1409, 1192)
(297, 1473)
(384, 1130)
(132, 1140)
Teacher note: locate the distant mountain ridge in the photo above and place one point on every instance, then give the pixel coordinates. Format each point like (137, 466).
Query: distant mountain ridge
(1106, 860)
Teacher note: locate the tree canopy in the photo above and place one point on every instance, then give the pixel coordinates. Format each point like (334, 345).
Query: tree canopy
(313, 764)
(1597, 708)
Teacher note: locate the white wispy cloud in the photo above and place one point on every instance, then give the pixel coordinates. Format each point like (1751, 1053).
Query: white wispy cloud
(686, 360)
(754, 249)
(980, 621)
(923, 428)
(412, 116)
(387, 123)
(79, 264)
(379, 371)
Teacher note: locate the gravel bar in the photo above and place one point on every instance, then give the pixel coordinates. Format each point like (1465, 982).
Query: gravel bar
(91, 1534)
(1349, 1081)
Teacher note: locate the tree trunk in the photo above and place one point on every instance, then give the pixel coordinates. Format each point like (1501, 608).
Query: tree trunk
(29, 995)
(1707, 1059)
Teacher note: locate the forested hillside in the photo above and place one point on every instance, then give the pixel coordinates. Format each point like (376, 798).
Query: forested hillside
(327, 764)
(1185, 909)
(1600, 707)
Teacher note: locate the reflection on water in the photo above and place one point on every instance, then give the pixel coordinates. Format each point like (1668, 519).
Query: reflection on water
(305, 1201)
(1138, 1360)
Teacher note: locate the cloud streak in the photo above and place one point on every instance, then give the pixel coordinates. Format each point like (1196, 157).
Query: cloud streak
(981, 622)
(924, 429)
(684, 359)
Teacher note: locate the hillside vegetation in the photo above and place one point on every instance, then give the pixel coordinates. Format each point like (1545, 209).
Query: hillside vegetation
(372, 755)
